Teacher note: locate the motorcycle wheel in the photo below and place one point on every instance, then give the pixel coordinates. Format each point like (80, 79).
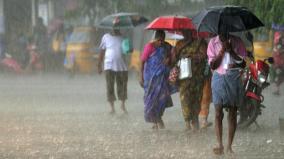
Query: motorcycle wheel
(252, 110)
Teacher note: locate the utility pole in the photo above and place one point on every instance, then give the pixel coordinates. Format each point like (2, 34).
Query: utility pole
(2, 17)
(34, 12)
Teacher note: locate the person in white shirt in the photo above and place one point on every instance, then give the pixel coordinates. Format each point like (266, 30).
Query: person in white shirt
(115, 68)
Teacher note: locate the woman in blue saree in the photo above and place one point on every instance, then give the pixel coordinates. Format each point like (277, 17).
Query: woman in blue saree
(154, 79)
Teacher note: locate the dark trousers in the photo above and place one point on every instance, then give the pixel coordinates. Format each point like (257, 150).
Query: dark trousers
(121, 78)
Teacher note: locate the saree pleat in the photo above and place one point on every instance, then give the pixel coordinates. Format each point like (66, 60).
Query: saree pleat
(158, 91)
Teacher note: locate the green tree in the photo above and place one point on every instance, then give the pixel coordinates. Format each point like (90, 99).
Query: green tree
(96, 9)
(269, 11)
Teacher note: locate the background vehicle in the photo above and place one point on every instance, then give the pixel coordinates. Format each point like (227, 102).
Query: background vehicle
(263, 44)
(81, 51)
(9, 64)
(255, 80)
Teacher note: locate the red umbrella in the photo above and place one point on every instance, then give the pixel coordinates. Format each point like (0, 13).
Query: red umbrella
(175, 23)
(171, 23)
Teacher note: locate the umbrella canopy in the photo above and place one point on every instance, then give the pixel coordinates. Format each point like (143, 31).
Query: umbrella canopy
(122, 21)
(226, 19)
(175, 23)
(171, 23)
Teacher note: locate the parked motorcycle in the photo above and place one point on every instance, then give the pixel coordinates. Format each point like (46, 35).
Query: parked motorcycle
(10, 64)
(255, 79)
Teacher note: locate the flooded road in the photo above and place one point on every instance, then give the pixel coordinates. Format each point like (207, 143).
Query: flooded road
(54, 117)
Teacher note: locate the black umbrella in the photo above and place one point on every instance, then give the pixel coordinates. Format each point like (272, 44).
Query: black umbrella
(226, 19)
(122, 21)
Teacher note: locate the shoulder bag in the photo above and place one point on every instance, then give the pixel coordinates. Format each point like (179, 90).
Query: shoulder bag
(175, 71)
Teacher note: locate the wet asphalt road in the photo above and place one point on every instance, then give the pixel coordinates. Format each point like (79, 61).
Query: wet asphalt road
(54, 117)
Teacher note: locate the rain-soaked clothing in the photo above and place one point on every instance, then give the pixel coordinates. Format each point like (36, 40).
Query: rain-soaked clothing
(226, 84)
(191, 88)
(215, 45)
(157, 90)
(113, 59)
(114, 66)
(227, 89)
(121, 78)
(206, 98)
(206, 94)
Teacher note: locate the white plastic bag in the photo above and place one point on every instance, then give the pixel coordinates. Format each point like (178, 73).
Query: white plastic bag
(185, 68)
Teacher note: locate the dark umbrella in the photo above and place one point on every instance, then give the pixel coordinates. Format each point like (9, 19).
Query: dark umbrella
(226, 19)
(122, 21)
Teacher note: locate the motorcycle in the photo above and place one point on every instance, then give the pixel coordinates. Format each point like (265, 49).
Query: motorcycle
(255, 79)
(10, 64)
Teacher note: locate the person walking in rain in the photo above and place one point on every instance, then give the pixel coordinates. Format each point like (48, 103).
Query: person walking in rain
(225, 56)
(206, 99)
(206, 93)
(191, 88)
(115, 68)
(278, 66)
(40, 38)
(154, 79)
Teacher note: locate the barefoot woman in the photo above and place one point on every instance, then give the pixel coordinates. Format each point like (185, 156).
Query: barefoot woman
(154, 79)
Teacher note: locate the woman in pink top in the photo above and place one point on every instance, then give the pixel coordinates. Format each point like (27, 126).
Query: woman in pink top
(225, 55)
(154, 79)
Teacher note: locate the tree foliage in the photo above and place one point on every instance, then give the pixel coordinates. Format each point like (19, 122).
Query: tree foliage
(269, 11)
(96, 9)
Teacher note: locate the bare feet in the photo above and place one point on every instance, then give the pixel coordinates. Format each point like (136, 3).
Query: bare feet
(230, 150)
(123, 108)
(205, 125)
(161, 124)
(194, 127)
(155, 127)
(218, 150)
(188, 125)
(112, 111)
